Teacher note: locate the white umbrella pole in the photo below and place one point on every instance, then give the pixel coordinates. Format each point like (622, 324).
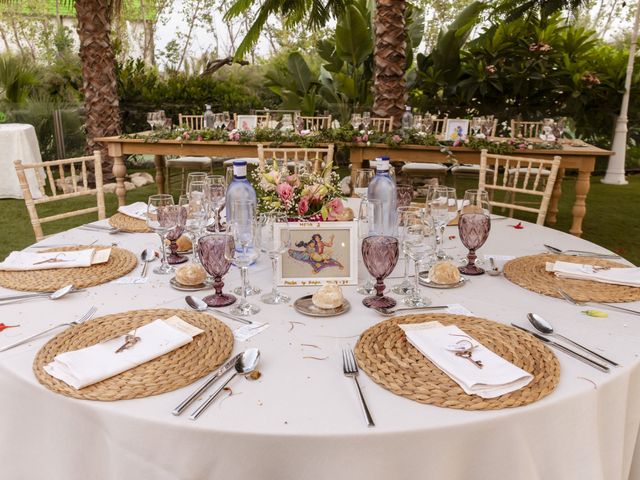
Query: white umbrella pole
(615, 169)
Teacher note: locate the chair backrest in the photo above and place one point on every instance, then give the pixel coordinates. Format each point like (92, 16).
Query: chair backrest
(382, 124)
(316, 123)
(311, 158)
(69, 180)
(439, 125)
(494, 128)
(192, 122)
(526, 129)
(519, 175)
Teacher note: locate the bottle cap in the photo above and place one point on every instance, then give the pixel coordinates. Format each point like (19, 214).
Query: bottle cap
(240, 168)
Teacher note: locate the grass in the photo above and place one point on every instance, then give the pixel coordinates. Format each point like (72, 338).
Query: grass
(612, 220)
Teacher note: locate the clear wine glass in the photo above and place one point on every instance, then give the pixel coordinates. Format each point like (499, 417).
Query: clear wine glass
(160, 119)
(226, 119)
(366, 120)
(417, 123)
(380, 255)
(151, 119)
(427, 123)
(443, 206)
(361, 185)
(474, 226)
(244, 212)
(356, 121)
(243, 252)
(211, 250)
(419, 243)
(404, 219)
(174, 234)
(369, 222)
(155, 205)
(195, 177)
(215, 195)
(404, 194)
(275, 239)
(218, 121)
(196, 213)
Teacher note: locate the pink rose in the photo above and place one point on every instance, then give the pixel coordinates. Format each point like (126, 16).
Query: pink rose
(358, 139)
(303, 206)
(293, 180)
(365, 138)
(396, 138)
(200, 138)
(186, 135)
(335, 208)
(285, 192)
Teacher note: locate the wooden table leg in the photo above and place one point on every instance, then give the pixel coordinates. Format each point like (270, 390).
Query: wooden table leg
(583, 183)
(356, 158)
(119, 170)
(552, 213)
(159, 161)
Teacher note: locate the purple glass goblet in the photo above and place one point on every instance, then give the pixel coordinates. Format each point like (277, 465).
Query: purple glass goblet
(173, 235)
(404, 195)
(211, 250)
(474, 230)
(380, 255)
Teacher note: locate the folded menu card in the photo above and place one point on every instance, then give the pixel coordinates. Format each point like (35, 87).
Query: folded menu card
(46, 260)
(93, 364)
(136, 210)
(496, 377)
(617, 276)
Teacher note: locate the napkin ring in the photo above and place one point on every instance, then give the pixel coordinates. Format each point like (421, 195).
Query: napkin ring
(129, 341)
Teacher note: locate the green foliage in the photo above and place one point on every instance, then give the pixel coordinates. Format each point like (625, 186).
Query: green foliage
(142, 89)
(17, 78)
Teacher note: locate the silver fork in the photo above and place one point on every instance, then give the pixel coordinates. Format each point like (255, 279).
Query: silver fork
(570, 299)
(90, 313)
(350, 369)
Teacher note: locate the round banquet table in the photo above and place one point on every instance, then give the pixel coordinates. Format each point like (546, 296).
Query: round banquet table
(18, 142)
(302, 419)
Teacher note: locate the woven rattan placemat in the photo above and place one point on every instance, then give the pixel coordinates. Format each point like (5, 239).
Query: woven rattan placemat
(529, 272)
(120, 263)
(169, 372)
(386, 355)
(128, 224)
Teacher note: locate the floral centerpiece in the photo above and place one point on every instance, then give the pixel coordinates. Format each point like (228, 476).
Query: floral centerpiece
(311, 194)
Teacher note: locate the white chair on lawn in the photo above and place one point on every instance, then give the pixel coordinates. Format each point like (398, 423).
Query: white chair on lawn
(69, 180)
(519, 176)
(316, 123)
(382, 124)
(314, 159)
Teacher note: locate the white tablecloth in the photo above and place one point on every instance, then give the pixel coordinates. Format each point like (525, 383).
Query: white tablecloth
(302, 419)
(17, 142)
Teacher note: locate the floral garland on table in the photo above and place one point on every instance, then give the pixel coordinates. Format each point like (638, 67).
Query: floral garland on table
(304, 195)
(343, 135)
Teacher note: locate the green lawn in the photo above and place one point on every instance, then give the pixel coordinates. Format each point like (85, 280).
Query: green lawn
(612, 220)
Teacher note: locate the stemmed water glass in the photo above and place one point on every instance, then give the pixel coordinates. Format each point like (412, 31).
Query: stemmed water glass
(356, 121)
(547, 128)
(195, 177)
(160, 119)
(474, 226)
(427, 123)
(161, 224)
(243, 251)
(404, 216)
(443, 208)
(380, 255)
(419, 243)
(151, 119)
(369, 213)
(417, 123)
(476, 125)
(211, 250)
(366, 120)
(361, 183)
(275, 239)
(174, 234)
(244, 212)
(216, 188)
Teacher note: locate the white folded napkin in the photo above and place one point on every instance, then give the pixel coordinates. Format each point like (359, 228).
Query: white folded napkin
(495, 378)
(617, 276)
(23, 261)
(136, 210)
(93, 364)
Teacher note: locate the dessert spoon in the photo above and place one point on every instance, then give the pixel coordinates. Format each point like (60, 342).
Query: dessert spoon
(200, 305)
(388, 312)
(61, 292)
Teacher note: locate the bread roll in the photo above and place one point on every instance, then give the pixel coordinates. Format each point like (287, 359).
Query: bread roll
(191, 274)
(444, 273)
(328, 296)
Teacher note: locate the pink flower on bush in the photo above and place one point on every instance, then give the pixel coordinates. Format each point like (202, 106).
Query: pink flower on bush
(303, 206)
(357, 139)
(335, 208)
(293, 180)
(186, 136)
(365, 138)
(199, 138)
(234, 136)
(396, 138)
(285, 192)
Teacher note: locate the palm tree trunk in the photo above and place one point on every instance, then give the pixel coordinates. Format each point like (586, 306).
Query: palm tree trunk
(389, 86)
(99, 84)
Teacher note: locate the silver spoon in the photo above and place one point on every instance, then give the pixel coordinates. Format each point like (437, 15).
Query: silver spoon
(546, 328)
(201, 306)
(494, 271)
(388, 312)
(245, 364)
(147, 255)
(61, 292)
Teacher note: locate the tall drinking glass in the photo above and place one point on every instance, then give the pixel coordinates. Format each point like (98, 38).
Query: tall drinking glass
(444, 207)
(194, 177)
(244, 212)
(275, 239)
(404, 216)
(211, 250)
(474, 227)
(216, 188)
(404, 194)
(366, 120)
(243, 252)
(419, 243)
(361, 183)
(161, 224)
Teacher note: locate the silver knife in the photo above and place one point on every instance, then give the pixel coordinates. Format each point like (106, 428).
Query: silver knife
(226, 366)
(568, 351)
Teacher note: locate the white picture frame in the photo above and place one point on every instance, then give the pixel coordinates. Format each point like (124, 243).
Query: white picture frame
(306, 263)
(457, 129)
(247, 122)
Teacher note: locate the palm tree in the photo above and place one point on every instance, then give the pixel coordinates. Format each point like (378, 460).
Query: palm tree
(513, 9)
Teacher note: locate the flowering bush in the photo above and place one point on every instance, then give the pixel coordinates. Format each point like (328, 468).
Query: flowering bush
(308, 194)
